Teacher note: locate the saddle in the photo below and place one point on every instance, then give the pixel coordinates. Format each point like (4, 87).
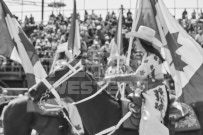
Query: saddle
(133, 104)
(184, 122)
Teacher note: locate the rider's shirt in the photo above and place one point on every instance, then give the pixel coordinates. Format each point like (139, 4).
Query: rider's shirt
(154, 94)
(151, 67)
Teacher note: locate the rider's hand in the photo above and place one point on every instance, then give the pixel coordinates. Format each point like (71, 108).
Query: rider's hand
(110, 78)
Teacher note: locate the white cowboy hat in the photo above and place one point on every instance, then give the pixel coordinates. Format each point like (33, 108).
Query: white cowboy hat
(146, 34)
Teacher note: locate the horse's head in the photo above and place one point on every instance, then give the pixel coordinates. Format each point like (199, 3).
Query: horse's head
(35, 94)
(81, 83)
(41, 90)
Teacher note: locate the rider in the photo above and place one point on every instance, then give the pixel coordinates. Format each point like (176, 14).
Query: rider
(150, 73)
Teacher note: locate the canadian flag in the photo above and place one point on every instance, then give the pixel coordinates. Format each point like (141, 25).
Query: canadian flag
(184, 56)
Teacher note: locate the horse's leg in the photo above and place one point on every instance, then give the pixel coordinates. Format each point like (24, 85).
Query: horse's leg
(16, 120)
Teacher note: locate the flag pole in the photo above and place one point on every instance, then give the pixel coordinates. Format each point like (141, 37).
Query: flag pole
(119, 40)
(119, 36)
(135, 21)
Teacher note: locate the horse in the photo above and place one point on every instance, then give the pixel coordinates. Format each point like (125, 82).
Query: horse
(97, 114)
(17, 121)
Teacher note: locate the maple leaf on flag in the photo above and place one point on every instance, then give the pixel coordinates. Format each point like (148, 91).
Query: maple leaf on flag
(173, 45)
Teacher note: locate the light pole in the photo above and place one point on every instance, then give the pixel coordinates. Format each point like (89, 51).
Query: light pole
(63, 8)
(130, 4)
(22, 11)
(42, 11)
(175, 8)
(84, 5)
(107, 5)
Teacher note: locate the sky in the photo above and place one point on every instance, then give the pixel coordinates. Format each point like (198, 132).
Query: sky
(100, 7)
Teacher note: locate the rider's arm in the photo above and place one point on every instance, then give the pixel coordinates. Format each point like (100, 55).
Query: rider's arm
(147, 66)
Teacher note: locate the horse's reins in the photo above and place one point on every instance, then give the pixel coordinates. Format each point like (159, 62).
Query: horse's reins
(64, 105)
(52, 88)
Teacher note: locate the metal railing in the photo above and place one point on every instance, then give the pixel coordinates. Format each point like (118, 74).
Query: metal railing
(17, 70)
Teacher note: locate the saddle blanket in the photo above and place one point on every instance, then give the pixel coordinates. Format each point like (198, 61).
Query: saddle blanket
(33, 107)
(190, 122)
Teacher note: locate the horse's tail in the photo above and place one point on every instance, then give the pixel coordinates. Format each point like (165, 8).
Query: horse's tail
(2, 105)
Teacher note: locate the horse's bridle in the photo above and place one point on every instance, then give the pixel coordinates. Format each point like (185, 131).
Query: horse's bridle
(43, 98)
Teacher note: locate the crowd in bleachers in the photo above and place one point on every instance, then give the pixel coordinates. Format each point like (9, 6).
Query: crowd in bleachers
(96, 34)
(193, 24)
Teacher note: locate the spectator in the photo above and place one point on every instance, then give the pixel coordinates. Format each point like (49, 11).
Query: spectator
(26, 22)
(52, 15)
(199, 38)
(83, 46)
(194, 14)
(93, 15)
(185, 23)
(184, 14)
(32, 21)
(189, 26)
(47, 44)
(106, 47)
(201, 14)
(129, 13)
(107, 17)
(97, 40)
(3, 93)
(129, 19)
(86, 15)
(100, 18)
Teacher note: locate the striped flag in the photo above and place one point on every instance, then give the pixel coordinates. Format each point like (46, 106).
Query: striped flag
(75, 46)
(74, 35)
(15, 45)
(117, 41)
(184, 56)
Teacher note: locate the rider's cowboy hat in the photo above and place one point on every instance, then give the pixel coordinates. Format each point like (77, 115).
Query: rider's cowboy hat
(146, 34)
